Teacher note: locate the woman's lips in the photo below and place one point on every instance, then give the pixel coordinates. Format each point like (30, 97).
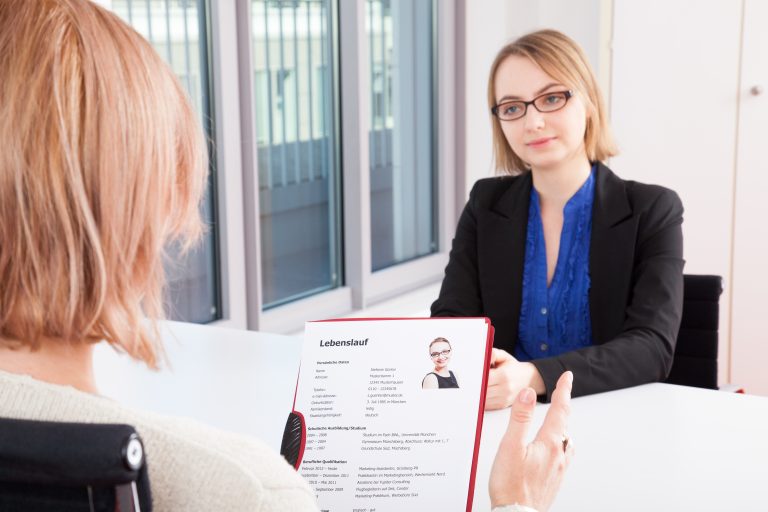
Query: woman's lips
(539, 142)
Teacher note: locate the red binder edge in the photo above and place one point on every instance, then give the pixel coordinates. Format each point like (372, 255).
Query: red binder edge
(480, 415)
(481, 407)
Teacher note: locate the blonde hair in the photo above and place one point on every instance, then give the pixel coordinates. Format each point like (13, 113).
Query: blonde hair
(561, 58)
(102, 162)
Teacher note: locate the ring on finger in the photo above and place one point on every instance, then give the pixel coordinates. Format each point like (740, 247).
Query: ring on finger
(566, 442)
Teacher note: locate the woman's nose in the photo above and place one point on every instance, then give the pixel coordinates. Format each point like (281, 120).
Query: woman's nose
(534, 120)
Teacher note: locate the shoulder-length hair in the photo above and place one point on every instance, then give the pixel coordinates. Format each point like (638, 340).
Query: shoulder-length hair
(561, 58)
(102, 162)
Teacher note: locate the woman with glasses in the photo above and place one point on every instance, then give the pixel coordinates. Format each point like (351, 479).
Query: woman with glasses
(441, 377)
(577, 268)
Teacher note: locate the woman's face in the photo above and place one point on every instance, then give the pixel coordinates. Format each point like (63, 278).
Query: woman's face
(543, 140)
(440, 353)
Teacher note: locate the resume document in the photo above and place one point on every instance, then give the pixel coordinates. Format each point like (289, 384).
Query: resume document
(388, 412)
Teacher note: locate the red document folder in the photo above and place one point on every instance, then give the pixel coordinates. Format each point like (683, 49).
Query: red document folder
(367, 433)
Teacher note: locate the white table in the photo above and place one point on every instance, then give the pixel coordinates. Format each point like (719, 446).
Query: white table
(656, 447)
(650, 448)
(241, 381)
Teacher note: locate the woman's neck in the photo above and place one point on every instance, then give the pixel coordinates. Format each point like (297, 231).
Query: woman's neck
(55, 362)
(557, 185)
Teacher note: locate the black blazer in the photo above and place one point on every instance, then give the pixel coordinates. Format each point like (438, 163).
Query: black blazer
(636, 270)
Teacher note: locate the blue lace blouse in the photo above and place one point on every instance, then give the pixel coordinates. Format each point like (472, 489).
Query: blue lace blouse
(555, 319)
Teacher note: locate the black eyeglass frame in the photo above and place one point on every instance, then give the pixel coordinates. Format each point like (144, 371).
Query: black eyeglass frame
(495, 109)
(444, 353)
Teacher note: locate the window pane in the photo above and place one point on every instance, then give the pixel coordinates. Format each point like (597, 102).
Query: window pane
(177, 30)
(295, 105)
(402, 165)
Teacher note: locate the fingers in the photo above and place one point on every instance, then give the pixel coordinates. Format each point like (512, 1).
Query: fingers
(521, 415)
(500, 393)
(499, 356)
(556, 422)
(496, 376)
(504, 382)
(562, 392)
(496, 398)
(496, 395)
(502, 363)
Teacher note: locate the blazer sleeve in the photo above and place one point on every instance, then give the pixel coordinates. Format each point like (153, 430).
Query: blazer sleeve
(460, 291)
(642, 352)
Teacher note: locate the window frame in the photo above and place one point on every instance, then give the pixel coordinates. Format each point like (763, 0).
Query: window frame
(238, 187)
(229, 162)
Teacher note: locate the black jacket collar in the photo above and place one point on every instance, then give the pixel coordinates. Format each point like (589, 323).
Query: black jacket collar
(611, 204)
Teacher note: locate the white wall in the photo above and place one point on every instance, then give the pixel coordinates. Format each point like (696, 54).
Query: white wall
(487, 30)
(749, 337)
(674, 111)
(492, 23)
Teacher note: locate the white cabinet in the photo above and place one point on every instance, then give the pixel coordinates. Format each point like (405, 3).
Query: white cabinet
(684, 118)
(749, 329)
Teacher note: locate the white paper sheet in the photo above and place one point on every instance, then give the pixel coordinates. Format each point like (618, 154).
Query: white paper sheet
(374, 439)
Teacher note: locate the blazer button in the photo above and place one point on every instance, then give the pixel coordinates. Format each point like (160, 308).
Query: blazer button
(544, 347)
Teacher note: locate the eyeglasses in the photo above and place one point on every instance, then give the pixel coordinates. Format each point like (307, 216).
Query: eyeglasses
(444, 353)
(547, 102)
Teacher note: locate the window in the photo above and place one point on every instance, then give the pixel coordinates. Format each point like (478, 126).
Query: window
(292, 61)
(326, 195)
(400, 48)
(344, 155)
(178, 31)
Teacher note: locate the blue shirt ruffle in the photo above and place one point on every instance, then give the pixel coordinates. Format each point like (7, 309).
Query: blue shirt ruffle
(555, 319)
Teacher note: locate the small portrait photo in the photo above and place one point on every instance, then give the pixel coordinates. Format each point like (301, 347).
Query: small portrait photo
(440, 377)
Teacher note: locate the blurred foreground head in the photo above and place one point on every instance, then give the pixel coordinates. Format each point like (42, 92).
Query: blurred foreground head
(102, 163)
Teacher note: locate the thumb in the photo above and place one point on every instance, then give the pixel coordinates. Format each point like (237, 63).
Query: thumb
(521, 415)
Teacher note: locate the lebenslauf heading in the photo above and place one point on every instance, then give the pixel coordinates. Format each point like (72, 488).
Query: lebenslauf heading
(344, 343)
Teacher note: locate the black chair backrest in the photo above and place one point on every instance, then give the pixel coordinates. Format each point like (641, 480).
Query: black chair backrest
(695, 361)
(53, 466)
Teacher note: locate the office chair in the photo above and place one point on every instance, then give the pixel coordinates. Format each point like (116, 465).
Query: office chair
(695, 360)
(68, 467)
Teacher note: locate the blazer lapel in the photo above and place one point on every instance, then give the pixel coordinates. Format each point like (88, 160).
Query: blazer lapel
(503, 253)
(611, 256)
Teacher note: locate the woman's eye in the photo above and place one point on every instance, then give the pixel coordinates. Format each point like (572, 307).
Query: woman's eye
(512, 109)
(553, 99)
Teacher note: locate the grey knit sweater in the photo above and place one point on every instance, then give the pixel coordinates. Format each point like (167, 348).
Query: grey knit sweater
(191, 467)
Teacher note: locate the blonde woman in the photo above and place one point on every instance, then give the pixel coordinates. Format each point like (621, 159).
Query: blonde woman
(103, 163)
(577, 268)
